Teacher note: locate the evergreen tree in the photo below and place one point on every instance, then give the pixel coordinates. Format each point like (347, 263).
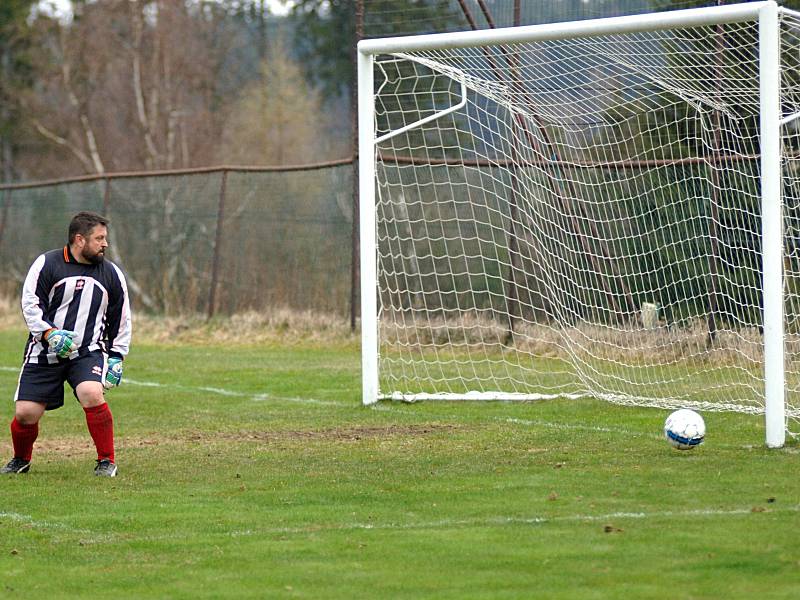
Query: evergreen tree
(277, 119)
(325, 32)
(15, 76)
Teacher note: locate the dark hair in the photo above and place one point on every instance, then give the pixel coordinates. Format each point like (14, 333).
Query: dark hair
(83, 222)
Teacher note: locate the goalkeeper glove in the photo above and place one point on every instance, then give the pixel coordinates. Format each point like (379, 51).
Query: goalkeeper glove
(113, 373)
(60, 341)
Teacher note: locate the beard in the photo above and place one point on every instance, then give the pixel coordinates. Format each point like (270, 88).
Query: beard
(95, 258)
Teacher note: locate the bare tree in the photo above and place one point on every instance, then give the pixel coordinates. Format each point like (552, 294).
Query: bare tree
(144, 94)
(131, 85)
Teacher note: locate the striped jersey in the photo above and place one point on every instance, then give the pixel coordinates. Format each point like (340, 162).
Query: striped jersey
(89, 299)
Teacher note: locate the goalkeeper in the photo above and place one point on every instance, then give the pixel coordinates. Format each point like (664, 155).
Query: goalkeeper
(76, 306)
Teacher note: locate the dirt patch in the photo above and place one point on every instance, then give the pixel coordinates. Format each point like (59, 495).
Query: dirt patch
(333, 434)
(75, 446)
(80, 446)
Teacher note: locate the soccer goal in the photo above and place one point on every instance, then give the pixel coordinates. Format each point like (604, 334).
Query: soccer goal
(606, 208)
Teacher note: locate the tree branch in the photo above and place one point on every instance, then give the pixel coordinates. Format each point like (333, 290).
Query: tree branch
(53, 137)
(96, 163)
(141, 111)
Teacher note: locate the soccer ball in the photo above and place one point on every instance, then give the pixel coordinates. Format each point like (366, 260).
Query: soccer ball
(684, 429)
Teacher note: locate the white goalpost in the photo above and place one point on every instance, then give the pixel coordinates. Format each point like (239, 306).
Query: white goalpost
(606, 208)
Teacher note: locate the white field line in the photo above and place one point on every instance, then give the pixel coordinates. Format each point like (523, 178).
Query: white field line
(29, 520)
(577, 518)
(233, 393)
(220, 391)
(658, 435)
(497, 521)
(611, 519)
(569, 426)
(87, 536)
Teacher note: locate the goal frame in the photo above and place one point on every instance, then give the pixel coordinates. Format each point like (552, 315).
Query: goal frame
(765, 13)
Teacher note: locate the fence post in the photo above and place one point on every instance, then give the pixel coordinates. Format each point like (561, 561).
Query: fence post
(212, 292)
(106, 196)
(4, 217)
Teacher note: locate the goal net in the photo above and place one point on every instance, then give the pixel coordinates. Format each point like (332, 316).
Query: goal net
(605, 209)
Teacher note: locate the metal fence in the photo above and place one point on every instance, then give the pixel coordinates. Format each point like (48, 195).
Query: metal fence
(213, 241)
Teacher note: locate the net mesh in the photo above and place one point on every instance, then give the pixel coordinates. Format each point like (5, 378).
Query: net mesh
(587, 223)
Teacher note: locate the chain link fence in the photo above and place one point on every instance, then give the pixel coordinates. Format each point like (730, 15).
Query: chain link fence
(219, 241)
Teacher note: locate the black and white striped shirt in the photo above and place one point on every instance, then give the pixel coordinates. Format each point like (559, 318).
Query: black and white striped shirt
(89, 299)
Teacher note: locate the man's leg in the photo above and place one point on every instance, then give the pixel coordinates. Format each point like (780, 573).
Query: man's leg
(40, 387)
(25, 427)
(98, 418)
(24, 431)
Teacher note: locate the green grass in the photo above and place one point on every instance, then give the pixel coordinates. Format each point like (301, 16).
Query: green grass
(253, 472)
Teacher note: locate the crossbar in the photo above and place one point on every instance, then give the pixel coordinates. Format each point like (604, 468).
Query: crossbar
(691, 17)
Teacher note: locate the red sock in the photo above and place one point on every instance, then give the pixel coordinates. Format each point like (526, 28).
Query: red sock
(101, 428)
(23, 436)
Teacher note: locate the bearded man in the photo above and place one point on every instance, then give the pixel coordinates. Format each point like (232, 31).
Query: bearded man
(76, 306)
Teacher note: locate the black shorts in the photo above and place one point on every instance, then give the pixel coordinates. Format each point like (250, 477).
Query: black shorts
(45, 383)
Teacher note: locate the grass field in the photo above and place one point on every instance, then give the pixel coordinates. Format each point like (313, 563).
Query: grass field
(252, 471)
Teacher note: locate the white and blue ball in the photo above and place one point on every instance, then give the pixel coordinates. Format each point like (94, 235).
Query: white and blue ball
(684, 429)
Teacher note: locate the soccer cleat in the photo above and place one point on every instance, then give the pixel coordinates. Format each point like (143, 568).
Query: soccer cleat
(16, 465)
(105, 468)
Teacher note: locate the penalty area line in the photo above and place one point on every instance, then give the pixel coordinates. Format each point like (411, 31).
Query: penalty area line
(497, 521)
(541, 520)
(41, 524)
(566, 426)
(220, 391)
(233, 393)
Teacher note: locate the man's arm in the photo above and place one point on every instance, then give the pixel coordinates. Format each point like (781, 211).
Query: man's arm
(35, 299)
(118, 318)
